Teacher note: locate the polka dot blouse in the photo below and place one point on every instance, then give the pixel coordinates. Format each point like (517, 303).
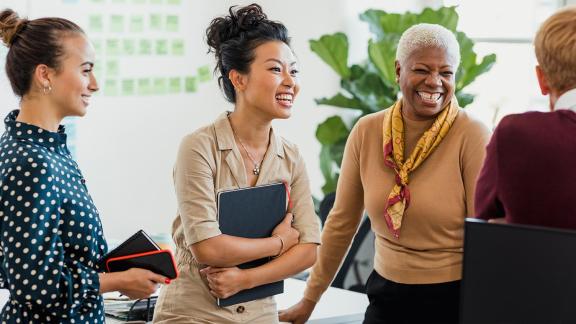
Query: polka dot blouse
(50, 232)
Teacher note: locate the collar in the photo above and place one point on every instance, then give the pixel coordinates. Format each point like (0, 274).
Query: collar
(35, 134)
(567, 100)
(225, 136)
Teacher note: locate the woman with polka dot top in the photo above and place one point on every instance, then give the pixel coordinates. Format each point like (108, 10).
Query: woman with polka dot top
(51, 237)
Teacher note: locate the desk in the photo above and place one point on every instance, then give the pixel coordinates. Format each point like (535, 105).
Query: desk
(337, 306)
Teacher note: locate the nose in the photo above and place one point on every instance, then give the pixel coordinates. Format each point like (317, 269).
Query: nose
(433, 79)
(93, 85)
(289, 80)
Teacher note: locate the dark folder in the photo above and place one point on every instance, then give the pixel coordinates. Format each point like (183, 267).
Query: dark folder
(140, 251)
(252, 212)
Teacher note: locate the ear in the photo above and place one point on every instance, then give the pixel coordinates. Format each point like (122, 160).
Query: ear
(544, 87)
(42, 76)
(238, 80)
(397, 64)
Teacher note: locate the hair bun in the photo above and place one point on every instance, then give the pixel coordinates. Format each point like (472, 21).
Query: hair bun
(233, 25)
(10, 25)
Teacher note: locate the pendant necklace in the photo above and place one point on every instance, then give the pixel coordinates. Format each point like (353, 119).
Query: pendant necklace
(256, 169)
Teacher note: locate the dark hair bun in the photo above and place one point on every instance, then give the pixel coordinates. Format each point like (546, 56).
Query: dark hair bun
(10, 25)
(238, 21)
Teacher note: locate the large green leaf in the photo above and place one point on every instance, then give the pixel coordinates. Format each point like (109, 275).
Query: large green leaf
(333, 49)
(332, 130)
(339, 100)
(328, 170)
(464, 99)
(445, 16)
(370, 89)
(383, 55)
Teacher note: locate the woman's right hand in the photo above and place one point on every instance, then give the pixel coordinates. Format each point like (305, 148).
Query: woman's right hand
(139, 283)
(288, 233)
(299, 313)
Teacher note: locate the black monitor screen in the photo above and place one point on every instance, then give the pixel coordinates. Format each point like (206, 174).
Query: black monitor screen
(518, 274)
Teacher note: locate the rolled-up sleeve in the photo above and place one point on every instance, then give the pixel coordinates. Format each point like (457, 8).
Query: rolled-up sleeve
(194, 185)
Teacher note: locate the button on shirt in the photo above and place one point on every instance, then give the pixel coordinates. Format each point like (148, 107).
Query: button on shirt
(50, 231)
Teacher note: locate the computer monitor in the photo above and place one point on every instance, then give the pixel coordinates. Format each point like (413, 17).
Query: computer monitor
(518, 274)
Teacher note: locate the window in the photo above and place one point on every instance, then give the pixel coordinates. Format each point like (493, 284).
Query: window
(505, 28)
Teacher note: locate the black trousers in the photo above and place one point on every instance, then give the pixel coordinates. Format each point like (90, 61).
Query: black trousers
(392, 302)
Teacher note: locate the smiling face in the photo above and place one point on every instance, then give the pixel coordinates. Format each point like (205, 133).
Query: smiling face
(271, 84)
(73, 82)
(426, 80)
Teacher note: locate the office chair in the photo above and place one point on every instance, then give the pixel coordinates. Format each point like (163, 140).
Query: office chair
(353, 261)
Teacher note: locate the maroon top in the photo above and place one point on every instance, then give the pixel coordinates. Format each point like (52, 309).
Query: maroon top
(529, 175)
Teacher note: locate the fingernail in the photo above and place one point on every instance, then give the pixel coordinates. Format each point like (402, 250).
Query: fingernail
(167, 281)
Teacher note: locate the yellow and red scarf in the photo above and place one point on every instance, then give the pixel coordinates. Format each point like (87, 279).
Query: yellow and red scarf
(393, 131)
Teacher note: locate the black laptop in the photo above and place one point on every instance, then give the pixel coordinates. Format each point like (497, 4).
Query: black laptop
(518, 274)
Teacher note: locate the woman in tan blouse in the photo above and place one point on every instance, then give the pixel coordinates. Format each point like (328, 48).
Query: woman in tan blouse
(412, 167)
(240, 149)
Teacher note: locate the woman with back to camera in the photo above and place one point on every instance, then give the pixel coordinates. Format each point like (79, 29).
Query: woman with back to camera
(413, 167)
(240, 149)
(50, 231)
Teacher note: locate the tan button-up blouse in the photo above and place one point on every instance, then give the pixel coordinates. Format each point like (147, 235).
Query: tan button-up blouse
(209, 162)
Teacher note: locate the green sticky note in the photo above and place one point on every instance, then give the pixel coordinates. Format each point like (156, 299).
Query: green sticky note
(128, 47)
(139, 1)
(112, 68)
(156, 1)
(116, 23)
(174, 2)
(177, 47)
(145, 47)
(136, 24)
(204, 73)
(191, 84)
(174, 85)
(95, 23)
(160, 86)
(172, 24)
(97, 43)
(155, 22)
(128, 87)
(112, 46)
(161, 47)
(111, 87)
(144, 87)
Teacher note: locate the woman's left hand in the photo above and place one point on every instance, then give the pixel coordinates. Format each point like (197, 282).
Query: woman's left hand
(225, 282)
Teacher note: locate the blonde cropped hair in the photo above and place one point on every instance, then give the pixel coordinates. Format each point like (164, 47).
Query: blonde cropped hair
(555, 46)
(428, 35)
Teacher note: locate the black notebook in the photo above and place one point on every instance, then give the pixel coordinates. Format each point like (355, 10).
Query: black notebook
(252, 212)
(140, 242)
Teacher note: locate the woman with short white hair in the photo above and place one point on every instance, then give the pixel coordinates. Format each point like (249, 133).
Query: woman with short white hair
(412, 167)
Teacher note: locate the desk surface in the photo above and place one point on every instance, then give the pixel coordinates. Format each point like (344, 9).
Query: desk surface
(337, 306)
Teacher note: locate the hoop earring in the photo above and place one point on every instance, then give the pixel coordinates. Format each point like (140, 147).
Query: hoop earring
(47, 89)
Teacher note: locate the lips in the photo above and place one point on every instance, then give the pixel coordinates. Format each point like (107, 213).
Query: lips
(86, 99)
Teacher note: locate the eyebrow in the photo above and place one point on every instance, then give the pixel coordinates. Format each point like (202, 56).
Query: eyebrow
(279, 62)
(89, 63)
(442, 67)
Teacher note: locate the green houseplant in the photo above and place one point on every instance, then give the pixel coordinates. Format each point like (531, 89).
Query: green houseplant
(370, 85)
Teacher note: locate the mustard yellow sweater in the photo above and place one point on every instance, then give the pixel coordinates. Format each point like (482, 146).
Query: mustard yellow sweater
(429, 249)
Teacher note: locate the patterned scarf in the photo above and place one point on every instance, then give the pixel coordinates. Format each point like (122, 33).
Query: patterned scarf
(393, 131)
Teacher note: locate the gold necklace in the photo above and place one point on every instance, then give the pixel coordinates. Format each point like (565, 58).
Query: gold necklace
(256, 169)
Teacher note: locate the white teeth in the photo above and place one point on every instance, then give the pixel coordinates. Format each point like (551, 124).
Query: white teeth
(284, 97)
(429, 96)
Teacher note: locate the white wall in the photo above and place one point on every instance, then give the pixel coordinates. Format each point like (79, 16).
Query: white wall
(126, 145)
